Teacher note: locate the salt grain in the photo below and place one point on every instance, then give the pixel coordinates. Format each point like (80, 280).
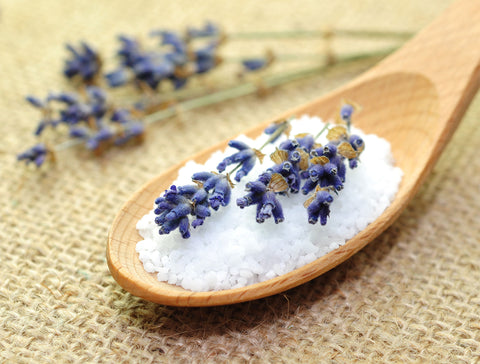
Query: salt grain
(232, 250)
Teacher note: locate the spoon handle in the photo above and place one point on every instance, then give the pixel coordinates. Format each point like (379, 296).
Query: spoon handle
(447, 52)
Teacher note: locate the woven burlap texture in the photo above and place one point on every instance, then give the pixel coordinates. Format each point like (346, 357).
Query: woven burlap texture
(412, 295)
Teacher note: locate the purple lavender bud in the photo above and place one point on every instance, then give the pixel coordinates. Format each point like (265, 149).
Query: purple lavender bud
(161, 218)
(85, 62)
(319, 208)
(247, 166)
(202, 211)
(289, 144)
(199, 196)
(65, 97)
(187, 190)
(266, 208)
(120, 116)
(356, 142)
(269, 130)
(40, 127)
(159, 199)
(306, 143)
(103, 134)
(130, 131)
(171, 38)
(237, 144)
(35, 101)
(177, 82)
(265, 178)
(294, 156)
(256, 186)
(206, 53)
(179, 211)
(254, 64)
(244, 201)
(201, 176)
(208, 30)
(346, 112)
(130, 51)
(168, 226)
(221, 194)
(117, 78)
(79, 132)
(309, 186)
(184, 227)
(36, 154)
(330, 150)
(96, 94)
(197, 222)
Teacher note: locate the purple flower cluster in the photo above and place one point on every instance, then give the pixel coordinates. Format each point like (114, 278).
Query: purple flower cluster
(176, 60)
(300, 164)
(84, 63)
(211, 190)
(36, 154)
(303, 165)
(88, 116)
(246, 157)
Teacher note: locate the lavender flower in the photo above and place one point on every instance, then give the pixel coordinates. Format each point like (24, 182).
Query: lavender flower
(85, 63)
(246, 155)
(209, 30)
(218, 184)
(103, 135)
(256, 64)
(177, 203)
(358, 145)
(205, 59)
(47, 120)
(172, 39)
(130, 51)
(173, 209)
(36, 154)
(76, 111)
(287, 164)
(322, 175)
(263, 194)
(330, 151)
(277, 128)
(130, 131)
(36, 102)
(117, 78)
(318, 206)
(152, 68)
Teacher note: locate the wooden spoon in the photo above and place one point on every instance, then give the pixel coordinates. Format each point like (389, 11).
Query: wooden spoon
(415, 99)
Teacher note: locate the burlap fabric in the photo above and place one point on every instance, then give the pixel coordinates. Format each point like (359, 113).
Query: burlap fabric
(412, 295)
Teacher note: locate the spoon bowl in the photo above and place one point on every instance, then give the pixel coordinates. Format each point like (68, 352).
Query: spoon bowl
(414, 99)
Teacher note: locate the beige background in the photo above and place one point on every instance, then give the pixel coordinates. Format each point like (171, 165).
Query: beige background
(412, 295)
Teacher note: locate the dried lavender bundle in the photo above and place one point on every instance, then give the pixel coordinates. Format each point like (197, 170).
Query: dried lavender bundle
(301, 164)
(96, 119)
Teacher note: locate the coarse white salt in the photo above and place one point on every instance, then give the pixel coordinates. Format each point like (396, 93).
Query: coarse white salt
(232, 250)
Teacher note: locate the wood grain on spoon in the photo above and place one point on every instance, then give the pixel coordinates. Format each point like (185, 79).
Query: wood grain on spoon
(415, 99)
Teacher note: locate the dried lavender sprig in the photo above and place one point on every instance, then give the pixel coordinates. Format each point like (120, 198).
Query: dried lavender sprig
(247, 157)
(249, 88)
